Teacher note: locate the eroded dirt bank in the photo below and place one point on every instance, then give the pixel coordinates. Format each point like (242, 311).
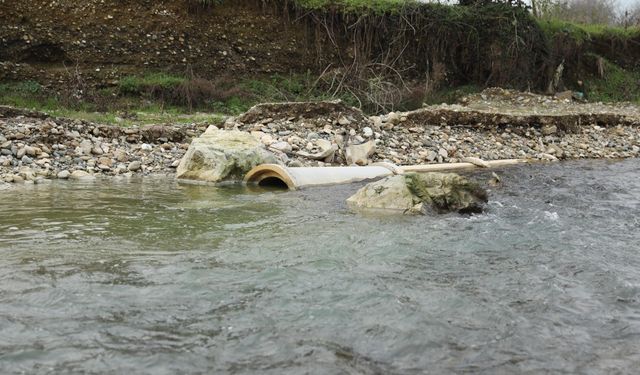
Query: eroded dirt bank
(44, 40)
(497, 124)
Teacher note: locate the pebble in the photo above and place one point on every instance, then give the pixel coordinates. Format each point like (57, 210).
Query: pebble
(52, 147)
(134, 166)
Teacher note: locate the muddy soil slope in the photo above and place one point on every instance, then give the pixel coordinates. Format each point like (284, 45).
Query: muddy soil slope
(46, 40)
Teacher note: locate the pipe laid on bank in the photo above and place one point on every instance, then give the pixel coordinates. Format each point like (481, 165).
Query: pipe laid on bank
(295, 178)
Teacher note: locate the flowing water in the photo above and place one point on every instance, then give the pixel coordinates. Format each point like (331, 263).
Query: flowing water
(149, 277)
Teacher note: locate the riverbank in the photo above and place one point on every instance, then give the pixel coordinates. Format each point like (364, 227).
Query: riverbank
(497, 124)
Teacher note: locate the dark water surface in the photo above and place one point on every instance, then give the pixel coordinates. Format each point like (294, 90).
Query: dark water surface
(148, 277)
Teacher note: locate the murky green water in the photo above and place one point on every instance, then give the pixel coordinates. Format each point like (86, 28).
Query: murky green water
(148, 277)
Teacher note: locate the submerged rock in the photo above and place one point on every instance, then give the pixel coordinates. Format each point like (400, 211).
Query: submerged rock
(417, 193)
(81, 175)
(222, 155)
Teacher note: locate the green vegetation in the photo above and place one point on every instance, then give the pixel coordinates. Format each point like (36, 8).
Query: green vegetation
(134, 85)
(374, 6)
(618, 84)
(122, 111)
(347, 6)
(586, 32)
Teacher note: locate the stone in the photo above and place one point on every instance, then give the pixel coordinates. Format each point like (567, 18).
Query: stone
(281, 146)
(447, 192)
(326, 153)
(343, 121)
(389, 194)
(146, 147)
(549, 129)
(267, 139)
(27, 174)
(393, 118)
(63, 175)
(555, 150)
(222, 155)
(367, 132)
(548, 157)
(86, 146)
(360, 154)
(324, 145)
(26, 160)
(134, 166)
(121, 156)
(418, 193)
(105, 161)
(81, 175)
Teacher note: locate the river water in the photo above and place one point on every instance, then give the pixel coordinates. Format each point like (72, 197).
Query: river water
(150, 277)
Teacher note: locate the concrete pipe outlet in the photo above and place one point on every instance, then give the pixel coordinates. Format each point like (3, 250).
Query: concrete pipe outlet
(277, 176)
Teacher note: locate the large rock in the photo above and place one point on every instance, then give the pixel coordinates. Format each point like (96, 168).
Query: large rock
(416, 193)
(222, 155)
(389, 194)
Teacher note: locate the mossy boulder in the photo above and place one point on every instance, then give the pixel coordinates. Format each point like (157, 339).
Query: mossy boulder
(419, 193)
(222, 155)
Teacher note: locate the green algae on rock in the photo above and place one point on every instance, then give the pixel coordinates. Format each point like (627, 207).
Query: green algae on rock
(415, 193)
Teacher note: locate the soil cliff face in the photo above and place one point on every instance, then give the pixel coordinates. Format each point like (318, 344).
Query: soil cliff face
(431, 44)
(40, 38)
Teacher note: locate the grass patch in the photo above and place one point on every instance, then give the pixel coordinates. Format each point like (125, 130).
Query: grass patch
(135, 100)
(137, 85)
(348, 6)
(358, 6)
(617, 85)
(123, 111)
(586, 32)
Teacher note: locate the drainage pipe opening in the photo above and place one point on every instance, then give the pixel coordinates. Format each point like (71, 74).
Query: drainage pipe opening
(273, 183)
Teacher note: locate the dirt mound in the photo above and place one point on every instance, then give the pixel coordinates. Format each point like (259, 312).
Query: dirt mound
(496, 108)
(335, 110)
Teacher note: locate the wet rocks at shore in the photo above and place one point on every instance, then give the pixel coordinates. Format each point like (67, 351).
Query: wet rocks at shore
(33, 149)
(34, 146)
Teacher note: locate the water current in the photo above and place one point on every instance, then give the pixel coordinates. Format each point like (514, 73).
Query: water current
(150, 277)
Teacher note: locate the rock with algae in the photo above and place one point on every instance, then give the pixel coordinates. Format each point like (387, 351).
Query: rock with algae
(418, 193)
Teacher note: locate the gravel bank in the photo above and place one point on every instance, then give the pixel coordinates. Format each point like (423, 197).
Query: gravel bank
(34, 147)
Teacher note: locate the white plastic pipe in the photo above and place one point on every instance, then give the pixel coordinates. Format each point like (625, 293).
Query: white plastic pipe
(295, 178)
